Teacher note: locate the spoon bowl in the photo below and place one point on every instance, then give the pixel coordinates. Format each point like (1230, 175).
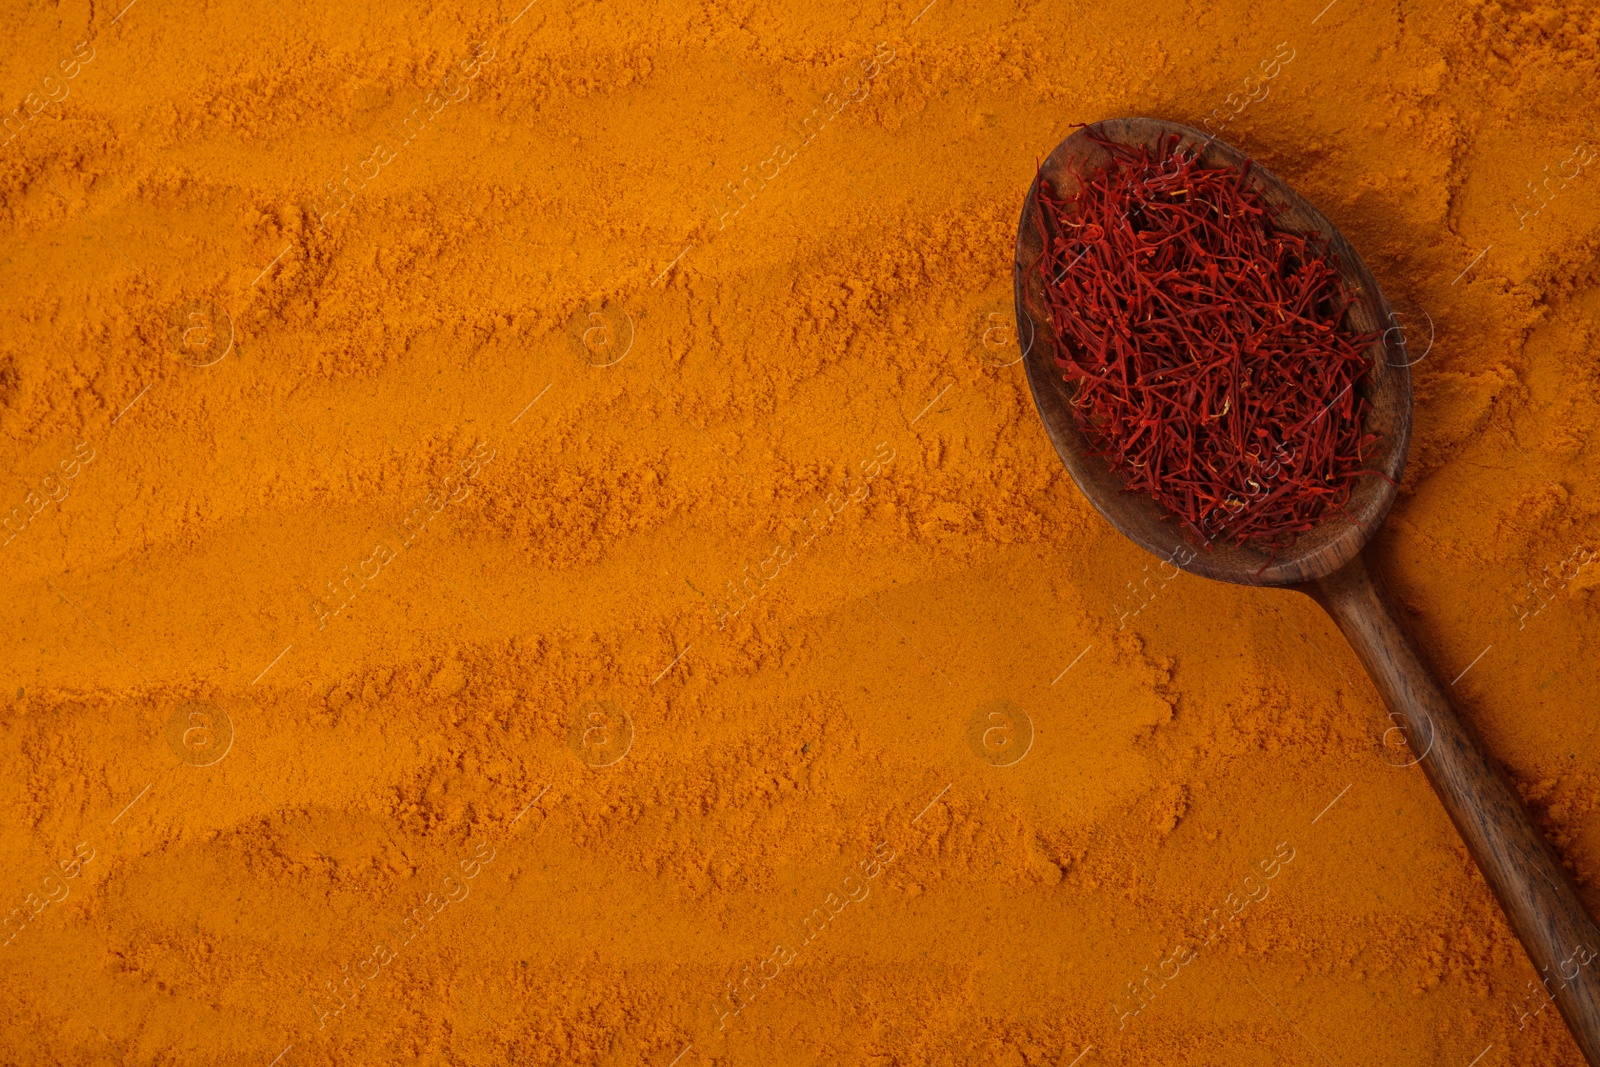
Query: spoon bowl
(1337, 538)
(1329, 563)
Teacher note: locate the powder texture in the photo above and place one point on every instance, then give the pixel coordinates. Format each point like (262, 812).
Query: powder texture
(528, 543)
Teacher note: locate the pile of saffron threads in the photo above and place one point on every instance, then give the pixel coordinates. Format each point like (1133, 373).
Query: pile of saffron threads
(1207, 350)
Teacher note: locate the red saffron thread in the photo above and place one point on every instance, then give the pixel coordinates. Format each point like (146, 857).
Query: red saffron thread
(1207, 349)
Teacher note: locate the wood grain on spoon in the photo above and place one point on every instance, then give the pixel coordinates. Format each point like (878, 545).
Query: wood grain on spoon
(1329, 564)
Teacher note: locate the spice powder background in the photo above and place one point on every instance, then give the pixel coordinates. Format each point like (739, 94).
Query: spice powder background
(375, 691)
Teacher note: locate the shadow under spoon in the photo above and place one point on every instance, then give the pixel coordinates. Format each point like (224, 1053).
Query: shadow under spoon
(1331, 564)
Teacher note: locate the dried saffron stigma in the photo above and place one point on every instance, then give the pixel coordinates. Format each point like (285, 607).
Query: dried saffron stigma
(1207, 349)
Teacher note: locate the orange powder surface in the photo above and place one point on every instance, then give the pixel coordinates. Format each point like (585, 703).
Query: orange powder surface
(526, 541)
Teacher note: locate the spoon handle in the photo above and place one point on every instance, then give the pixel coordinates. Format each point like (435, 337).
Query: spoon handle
(1532, 887)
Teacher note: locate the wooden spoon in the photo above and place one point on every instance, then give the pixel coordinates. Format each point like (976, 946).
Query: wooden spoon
(1328, 564)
